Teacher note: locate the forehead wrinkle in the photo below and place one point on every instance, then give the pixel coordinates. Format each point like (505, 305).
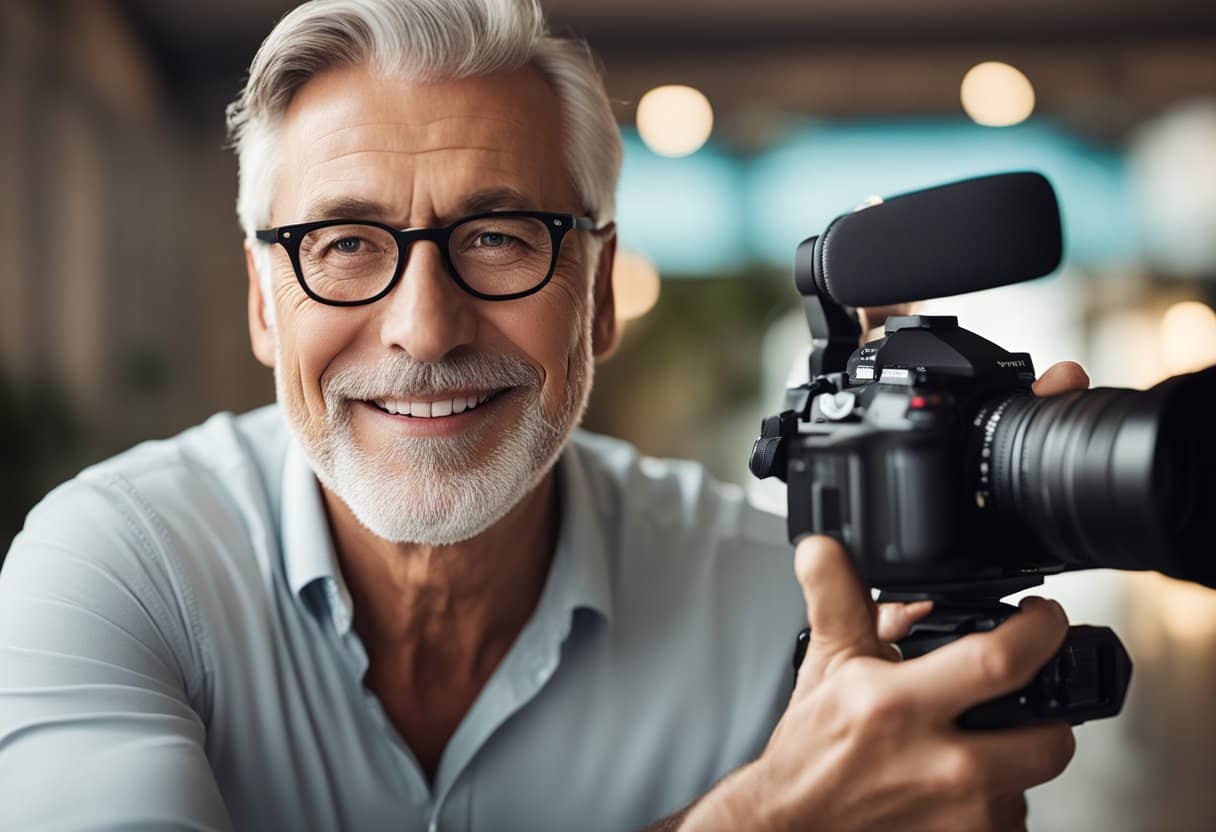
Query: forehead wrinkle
(334, 135)
(422, 152)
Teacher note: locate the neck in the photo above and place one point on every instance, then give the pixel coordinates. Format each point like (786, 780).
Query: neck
(459, 605)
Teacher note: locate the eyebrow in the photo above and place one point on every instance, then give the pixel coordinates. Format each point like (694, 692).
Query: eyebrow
(346, 207)
(358, 208)
(494, 199)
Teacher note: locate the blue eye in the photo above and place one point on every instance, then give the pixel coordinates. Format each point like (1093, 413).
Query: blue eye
(493, 239)
(348, 245)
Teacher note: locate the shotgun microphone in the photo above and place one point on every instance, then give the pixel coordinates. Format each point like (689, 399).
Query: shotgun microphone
(969, 235)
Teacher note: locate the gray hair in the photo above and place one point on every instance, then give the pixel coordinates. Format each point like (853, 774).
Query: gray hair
(423, 40)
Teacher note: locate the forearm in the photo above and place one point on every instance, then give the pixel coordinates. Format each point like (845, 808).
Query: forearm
(671, 823)
(728, 806)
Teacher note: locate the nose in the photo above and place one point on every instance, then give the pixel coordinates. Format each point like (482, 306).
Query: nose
(427, 314)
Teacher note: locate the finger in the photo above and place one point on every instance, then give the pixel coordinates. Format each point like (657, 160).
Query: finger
(838, 608)
(1061, 378)
(1009, 813)
(983, 666)
(874, 316)
(1014, 760)
(894, 620)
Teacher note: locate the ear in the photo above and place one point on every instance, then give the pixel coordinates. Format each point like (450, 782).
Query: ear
(261, 331)
(604, 331)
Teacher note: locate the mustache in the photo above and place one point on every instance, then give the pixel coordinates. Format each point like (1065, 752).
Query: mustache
(401, 376)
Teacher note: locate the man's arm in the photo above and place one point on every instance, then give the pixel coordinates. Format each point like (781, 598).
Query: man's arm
(97, 729)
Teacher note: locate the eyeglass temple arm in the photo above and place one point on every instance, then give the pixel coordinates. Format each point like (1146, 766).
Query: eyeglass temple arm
(588, 224)
(267, 235)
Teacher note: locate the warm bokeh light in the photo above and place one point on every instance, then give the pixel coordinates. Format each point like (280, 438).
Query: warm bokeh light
(1188, 337)
(997, 95)
(635, 284)
(674, 120)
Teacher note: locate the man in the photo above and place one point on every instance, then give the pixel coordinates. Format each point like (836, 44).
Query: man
(411, 595)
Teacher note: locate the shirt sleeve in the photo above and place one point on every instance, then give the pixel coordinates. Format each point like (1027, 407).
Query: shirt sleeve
(100, 674)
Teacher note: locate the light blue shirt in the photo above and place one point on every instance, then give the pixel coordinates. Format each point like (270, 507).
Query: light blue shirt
(176, 651)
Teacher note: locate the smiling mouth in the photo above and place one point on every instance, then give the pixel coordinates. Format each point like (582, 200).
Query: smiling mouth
(433, 408)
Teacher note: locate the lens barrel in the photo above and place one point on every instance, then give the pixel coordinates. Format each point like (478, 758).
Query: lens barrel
(1111, 478)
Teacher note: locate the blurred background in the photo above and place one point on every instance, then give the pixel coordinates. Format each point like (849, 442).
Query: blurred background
(747, 128)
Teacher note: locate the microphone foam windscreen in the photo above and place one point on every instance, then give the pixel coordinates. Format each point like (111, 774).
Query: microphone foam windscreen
(956, 238)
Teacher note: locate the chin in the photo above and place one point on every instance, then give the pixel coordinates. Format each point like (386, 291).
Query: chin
(438, 490)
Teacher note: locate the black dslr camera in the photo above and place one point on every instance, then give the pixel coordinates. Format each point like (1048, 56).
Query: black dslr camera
(926, 453)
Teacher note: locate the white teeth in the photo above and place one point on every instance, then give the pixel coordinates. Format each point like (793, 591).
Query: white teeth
(426, 410)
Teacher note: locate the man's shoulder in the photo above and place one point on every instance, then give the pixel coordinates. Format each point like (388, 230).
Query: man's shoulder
(137, 539)
(205, 483)
(219, 447)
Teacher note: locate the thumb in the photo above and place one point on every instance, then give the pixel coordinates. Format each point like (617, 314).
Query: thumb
(839, 609)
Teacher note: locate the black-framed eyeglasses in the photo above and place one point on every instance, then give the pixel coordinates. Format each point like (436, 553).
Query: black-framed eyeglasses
(498, 255)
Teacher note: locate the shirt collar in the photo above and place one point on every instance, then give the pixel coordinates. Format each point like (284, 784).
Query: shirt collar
(578, 575)
(308, 549)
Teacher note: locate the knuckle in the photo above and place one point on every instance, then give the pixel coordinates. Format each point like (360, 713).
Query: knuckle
(881, 707)
(996, 662)
(960, 776)
(868, 704)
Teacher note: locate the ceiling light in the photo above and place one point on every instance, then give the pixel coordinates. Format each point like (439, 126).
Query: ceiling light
(674, 120)
(997, 95)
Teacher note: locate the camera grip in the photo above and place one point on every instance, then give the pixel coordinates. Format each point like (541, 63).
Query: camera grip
(1086, 679)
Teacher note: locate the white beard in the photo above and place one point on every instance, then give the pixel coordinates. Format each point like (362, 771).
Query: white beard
(439, 490)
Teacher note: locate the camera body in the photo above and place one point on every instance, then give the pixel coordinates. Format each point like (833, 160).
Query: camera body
(894, 456)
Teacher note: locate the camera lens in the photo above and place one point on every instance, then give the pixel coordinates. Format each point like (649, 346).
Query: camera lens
(1108, 478)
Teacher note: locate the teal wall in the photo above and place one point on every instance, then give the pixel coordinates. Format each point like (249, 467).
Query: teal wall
(715, 212)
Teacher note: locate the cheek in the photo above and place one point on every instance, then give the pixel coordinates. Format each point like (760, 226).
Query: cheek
(310, 337)
(549, 329)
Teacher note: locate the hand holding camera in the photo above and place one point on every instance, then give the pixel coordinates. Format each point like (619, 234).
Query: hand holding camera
(868, 743)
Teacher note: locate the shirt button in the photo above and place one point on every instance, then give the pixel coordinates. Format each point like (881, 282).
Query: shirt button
(434, 827)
